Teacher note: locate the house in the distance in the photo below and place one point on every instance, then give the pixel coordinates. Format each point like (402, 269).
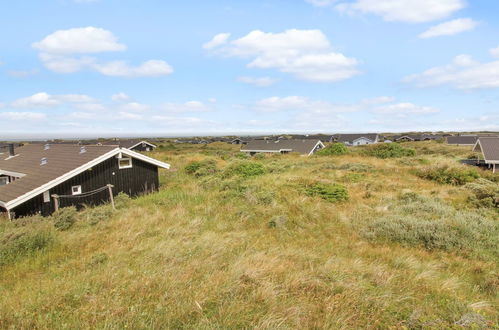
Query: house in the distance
(135, 145)
(489, 147)
(38, 179)
(304, 147)
(357, 139)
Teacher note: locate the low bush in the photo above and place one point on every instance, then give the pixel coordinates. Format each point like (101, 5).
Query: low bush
(388, 150)
(122, 200)
(22, 242)
(98, 214)
(356, 167)
(416, 220)
(201, 168)
(329, 192)
(245, 169)
(334, 149)
(242, 155)
(64, 218)
(485, 193)
(445, 174)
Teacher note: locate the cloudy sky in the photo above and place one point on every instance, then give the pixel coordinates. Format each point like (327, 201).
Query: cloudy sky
(82, 68)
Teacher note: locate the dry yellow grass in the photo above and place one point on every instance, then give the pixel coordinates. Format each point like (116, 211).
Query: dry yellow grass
(198, 256)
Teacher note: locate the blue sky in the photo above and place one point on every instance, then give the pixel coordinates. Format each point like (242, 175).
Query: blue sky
(82, 68)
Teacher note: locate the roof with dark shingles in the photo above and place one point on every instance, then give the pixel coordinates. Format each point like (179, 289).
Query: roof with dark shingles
(462, 139)
(352, 137)
(301, 146)
(489, 147)
(61, 159)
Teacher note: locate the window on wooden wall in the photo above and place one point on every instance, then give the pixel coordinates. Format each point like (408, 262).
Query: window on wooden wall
(125, 163)
(76, 190)
(46, 196)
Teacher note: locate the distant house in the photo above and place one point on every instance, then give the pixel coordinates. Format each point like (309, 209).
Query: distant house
(357, 139)
(462, 140)
(323, 138)
(135, 145)
(489, 147)
(304, 147)
(239, 141)
(37, 179)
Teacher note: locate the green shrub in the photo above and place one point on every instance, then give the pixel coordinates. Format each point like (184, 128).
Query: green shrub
(122, 200)
(388, 150)
(485, 193)
(98, 214)
(259, 156)
(445, 174)
(22, 242)
(64, 218)
(334, 149)
(241, 155)
(356, 167)
(201, 168)
(245, 169)
(428, 222)
(329, 192)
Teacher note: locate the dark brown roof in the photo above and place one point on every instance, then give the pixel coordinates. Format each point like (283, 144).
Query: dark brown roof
(352, 137)
(301, 146)
(124, 143)
(489, 147)
(462, 139)
(61, 159)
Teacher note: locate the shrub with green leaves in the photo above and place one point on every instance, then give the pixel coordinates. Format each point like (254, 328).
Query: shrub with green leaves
(334, 149)
(64, 218)
(122, 200)
(245, 169)
(388, 150)
(416, 220)
(485, 193)
(201, 168)
(330, 192)
(445, 174)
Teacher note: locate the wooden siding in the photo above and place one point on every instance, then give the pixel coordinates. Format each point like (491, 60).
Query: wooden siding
(141, 178)
(142, 147)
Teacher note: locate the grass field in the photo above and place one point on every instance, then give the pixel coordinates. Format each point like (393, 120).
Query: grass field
(269, 242)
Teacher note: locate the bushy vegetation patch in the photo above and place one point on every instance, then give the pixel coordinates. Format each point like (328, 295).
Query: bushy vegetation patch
(445, 174)
(97, 214)
(122, 200)
(427, 222)
(64, 218)
(330, 192)
(335, 149)
(388, 150)
(245, 169)
(485, 193)
(201, 168)
(23, 241)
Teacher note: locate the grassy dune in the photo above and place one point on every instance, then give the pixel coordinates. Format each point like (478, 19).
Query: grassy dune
(224, 248)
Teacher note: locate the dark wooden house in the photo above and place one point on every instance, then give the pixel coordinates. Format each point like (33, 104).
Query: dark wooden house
(37, 179)
(135, 145)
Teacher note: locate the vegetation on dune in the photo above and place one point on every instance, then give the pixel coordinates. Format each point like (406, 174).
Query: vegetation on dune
(334, 149)
(453, 175)
(251, 243)
(388, 150)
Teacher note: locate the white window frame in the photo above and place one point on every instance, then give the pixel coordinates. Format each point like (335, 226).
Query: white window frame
(46, 196)
(6, 178)
(121, 167)
(78, 190)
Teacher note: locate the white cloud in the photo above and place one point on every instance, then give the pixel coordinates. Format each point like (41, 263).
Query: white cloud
(404, 109)
(82, 115)
(212, 100)
(66, 51)
(151, 68)
(79, 41)
(463, 73)
(120, 97)
(378, 100)
(301, 103)
(410, 11)
(494, 52)
(46, 100)
(22, 116)
(258, 81)
(190, 106)
(307, 54)
(128, 115)
(218, 40)
(449, 28)
(95, 107)
(134, 106)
